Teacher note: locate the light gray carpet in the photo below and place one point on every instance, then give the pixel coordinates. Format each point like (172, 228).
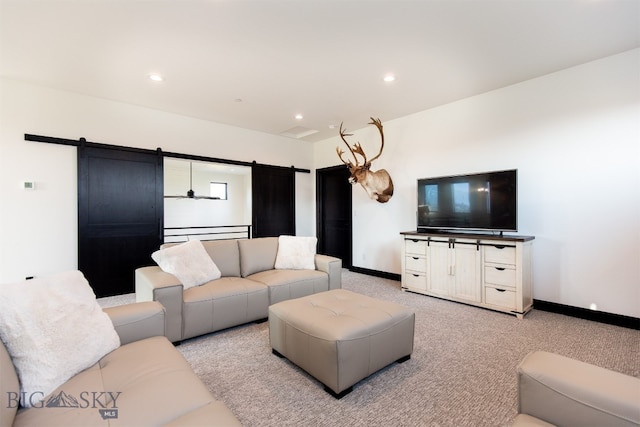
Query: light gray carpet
(462, 371)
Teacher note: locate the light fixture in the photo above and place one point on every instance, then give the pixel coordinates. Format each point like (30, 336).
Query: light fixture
(155, 77)
(190, 193)
(299, 116)
(389, 78)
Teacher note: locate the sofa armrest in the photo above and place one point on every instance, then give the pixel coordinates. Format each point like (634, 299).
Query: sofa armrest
(564, 391)
(137, 321)
(333, 267)
(153, 284)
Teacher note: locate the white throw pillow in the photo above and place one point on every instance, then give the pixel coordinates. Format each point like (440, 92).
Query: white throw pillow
(53, 328)
(296, 253)
(189, 262)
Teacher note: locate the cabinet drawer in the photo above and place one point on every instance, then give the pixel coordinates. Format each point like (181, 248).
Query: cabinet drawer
(418, 247)
(415, 263)
(502, 276)
(500, 297)
(414, 280)
(500, 254)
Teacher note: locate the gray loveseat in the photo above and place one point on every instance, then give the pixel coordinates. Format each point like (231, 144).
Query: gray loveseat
(144, 382)
(250, 283)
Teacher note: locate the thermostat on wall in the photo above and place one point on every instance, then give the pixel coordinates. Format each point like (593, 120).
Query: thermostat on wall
(29, 185)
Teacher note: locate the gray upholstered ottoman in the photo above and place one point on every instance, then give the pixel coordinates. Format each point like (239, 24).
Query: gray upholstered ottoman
(341, 337)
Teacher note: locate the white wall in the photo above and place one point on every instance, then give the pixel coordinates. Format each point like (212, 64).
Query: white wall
(574, 137)
(38, 229)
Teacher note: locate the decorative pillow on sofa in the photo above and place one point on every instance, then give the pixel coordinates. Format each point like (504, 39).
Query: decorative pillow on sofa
(296, 253)
(53, 328)
(189, 262)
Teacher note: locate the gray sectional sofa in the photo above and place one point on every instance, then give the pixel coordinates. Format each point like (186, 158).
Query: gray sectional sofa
(248, 285)
(145, 381)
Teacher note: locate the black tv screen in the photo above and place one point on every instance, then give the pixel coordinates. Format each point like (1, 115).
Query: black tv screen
(474, 202)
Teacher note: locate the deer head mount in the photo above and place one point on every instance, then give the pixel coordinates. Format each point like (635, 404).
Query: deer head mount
(378, 184)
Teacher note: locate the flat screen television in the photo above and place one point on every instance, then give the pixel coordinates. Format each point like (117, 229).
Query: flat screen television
(475, 202)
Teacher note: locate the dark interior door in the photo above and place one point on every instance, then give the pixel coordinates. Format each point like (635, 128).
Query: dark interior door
(273, 201)
(120, 215)
(333, 200)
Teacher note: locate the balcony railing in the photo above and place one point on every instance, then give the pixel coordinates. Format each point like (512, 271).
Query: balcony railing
(212, 232)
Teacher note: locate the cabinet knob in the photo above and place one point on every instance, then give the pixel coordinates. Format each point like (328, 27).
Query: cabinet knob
(500, 268)
(500, 290)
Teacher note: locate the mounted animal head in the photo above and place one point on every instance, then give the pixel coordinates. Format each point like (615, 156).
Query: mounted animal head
(378, 184)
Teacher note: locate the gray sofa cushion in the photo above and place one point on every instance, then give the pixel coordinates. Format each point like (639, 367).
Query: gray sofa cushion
(289, 284)
(225, 255)
(223, 303)
(257, 255)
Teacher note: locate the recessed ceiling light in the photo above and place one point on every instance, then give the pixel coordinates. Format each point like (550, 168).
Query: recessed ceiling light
(299, 117)
(389, 78)
(155, 77)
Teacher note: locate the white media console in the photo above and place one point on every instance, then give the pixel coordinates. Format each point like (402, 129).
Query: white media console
(493, 272)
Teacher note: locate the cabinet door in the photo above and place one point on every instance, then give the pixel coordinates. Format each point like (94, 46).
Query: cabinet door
(467, 270)
(439, 268)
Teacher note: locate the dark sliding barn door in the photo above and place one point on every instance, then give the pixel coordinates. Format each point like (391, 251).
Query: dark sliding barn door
(333, 201)
(120, 215)
(273, 201)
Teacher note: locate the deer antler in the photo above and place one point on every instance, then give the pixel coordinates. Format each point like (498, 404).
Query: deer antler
(377, 124)
(340, 153)
(357, 147)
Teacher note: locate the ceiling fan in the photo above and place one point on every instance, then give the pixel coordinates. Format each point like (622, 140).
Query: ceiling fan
(191, 194)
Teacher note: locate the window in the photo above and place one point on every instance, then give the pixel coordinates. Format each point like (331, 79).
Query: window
(431, 197)
(461, 201)
(218, 190)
